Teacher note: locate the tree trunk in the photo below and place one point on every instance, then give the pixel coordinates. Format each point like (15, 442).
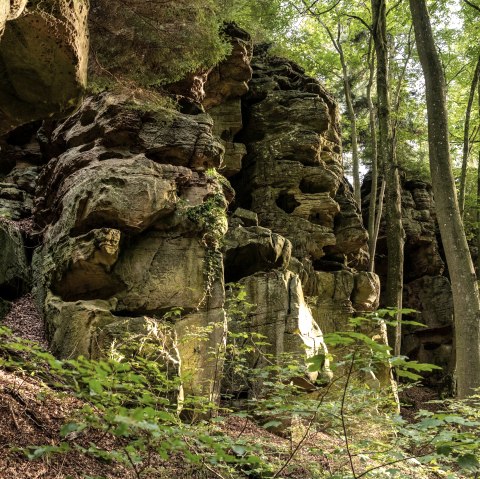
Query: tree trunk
(478, 190)
(372, 234)
(395, 233)
(462, 274)
(353, 127)
(466, 134)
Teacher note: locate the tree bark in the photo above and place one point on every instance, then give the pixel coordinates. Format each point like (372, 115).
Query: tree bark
(462, 274)
(466, 137)
(395, 233)
(372, 210)
(478, 191)
(353, 127)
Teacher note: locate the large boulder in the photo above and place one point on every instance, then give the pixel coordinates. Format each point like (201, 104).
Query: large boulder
(96, 150)
(252, 249)
(43, 59)
(132, 226)
(280, 317)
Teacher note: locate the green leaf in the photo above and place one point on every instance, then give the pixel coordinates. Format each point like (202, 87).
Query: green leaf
(270, 424)
(238, 449)
(444, 450)
(468, 461)
(316, 362)
(95, 387)
(71, 427)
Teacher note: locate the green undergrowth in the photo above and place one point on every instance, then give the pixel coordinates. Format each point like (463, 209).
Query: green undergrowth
(343, 429)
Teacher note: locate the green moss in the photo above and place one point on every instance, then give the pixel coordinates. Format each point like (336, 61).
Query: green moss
(153, 44)
(211, 218)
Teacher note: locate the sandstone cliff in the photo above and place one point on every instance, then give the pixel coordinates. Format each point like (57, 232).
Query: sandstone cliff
(427, 288)
(133, 215)
(43, 59)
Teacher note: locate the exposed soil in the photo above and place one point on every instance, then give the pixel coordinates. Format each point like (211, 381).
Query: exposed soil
(25, 320)
(32, 415)
(414, 399)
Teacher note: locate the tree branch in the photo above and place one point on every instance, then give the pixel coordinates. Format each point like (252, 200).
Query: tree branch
(393, 7)
(309, 8)
(360, 19)
(477, 8)
(342, 415)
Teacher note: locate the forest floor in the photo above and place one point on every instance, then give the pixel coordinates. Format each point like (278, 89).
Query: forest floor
(32, 414)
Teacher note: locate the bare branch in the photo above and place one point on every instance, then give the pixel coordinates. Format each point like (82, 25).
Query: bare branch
(361, 20)
(393, 7)
(309, 8)
(476, 7)
(342, 415)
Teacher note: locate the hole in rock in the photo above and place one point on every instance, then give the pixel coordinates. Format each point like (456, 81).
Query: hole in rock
(312, 186)
(328, 265)
(109, 155)
(88, 117)
(287, 202)
(13, 290)
(87, 147)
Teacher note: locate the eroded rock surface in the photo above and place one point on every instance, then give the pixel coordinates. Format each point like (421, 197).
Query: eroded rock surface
(43, 59)
(292, 175)
(426, 288)
(292, 181)
(14, 269)
(131, 226)
(130, 210)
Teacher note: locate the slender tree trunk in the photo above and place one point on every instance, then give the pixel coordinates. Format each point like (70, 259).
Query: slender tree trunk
(398, 90)
(372, 234)
(462, 274)
(395, 233)
(466, 133)
(478, 190)
(353, 126)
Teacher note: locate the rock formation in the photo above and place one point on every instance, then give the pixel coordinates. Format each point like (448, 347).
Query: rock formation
(292, 178)
(426, 287)
(129, 205)
(43, 59)
(124, 197)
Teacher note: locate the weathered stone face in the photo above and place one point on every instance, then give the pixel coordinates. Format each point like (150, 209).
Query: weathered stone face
(431, 297)
(252, 249)
(281, 316)
(14, 269)
(292, 178)
(422, 252)
(43, 59)
(131, 224)
(227, 122)
(293, 175)
(20, 160)
(426, 289)
(132, 214)
(229, 79)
